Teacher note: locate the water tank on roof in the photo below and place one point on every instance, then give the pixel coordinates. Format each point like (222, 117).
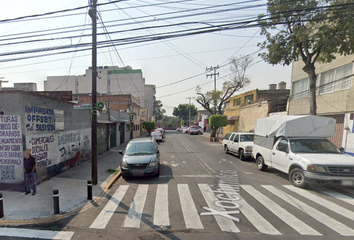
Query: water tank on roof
(272, 86)
(282, 85)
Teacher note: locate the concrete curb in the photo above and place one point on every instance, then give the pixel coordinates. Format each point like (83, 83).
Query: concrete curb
(61, 216)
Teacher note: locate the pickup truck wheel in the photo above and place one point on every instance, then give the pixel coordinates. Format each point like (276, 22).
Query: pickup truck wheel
(226, 149)
(241, 155)
(297, 178)
(260, 163)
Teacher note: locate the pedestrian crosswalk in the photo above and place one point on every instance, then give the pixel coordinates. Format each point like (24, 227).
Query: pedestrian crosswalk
(266, 209)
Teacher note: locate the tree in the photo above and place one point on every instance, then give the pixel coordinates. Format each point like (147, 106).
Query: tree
(158, 111)
(312, 30)
(216, 99)
(217, 121)
(182, 111)
(149, 126)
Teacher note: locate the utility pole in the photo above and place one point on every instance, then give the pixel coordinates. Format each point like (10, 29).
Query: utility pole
(189, 111)
(93, 15)
(211, 75)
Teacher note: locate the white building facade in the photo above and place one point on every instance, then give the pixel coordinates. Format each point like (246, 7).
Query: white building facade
(111, 80)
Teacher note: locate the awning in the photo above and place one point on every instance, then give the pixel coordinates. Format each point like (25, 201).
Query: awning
(232, 118)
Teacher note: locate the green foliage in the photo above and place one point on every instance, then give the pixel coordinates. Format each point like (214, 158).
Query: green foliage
(216, 121)
(309, 30)
(182, 111)
(158, 111)
(149, 126)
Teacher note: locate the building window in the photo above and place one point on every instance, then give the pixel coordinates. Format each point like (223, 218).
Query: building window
(237, 102)
(336, 79)
(232, 122)
(226, 105)
(300, 88)
(249, 99)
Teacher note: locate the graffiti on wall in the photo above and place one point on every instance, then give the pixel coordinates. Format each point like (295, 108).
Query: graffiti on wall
(39, 119)
(55, 153)
(10, 148)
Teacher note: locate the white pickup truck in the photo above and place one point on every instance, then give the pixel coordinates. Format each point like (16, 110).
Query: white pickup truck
(298, 146)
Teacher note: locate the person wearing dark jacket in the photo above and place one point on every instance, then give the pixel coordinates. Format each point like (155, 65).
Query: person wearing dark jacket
(30, 170)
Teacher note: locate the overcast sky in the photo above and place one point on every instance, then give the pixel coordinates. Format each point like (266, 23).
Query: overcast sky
(166, 62)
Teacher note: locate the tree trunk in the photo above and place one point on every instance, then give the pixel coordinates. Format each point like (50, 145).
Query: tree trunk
(213, 132)
(310, 70)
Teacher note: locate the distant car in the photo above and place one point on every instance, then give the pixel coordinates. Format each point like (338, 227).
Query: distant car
(240, 143)
(193, 131)
(161, 130)
(141, 158)
(156, 135)
(178, 129)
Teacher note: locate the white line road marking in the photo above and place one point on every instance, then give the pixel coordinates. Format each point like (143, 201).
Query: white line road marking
(337, 195)
(280, 212)
(225, 223)
(30, 233)
(132, 220)
(105, 215)
(323, 202)
(186, 176)
(319, 216)
(161, 216)
(190, 213)
(256, 219)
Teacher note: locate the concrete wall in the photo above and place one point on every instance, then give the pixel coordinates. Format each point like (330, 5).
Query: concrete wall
(249, 115)
(327, 103)
(58, 135)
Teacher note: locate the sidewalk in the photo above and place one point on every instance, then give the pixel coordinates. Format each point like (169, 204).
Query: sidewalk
(21, 209)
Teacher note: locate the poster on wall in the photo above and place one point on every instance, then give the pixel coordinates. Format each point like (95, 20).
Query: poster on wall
(59, 119)
(11, 155)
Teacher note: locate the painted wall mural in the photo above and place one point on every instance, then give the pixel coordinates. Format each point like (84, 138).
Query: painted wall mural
(11, 150)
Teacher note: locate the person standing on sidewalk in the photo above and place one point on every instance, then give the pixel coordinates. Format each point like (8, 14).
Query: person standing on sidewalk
(30, 170)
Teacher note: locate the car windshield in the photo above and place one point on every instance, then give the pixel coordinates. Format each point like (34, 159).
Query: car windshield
(194, 129)
(140, 148)
(312, 146)
(247, 138)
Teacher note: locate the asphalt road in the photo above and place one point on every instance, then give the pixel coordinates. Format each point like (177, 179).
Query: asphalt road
(203, 193)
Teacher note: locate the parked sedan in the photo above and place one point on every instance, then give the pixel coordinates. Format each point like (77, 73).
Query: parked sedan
(157, 135)
(185, 130)
(141, 158)
(193, 131)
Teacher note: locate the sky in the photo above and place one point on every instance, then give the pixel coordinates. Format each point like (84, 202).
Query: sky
(176, 65)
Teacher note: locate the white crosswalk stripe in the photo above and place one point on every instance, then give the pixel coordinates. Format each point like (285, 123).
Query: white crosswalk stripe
(225, 224)
(190, 213)
(319, 216)
(269, 198)
(161, 216)
(105, 215)
(323, 202)
(284, 215)
(132, 220)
